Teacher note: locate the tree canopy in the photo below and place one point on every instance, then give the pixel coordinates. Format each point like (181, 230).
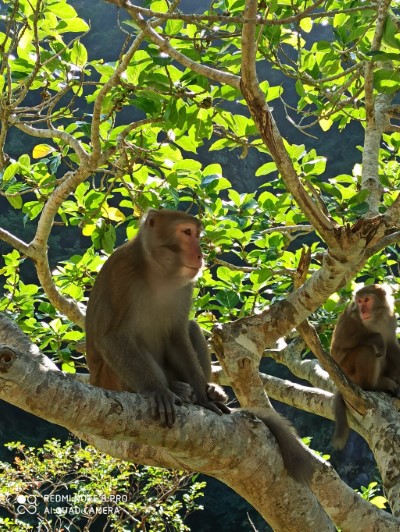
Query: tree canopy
(87, 145)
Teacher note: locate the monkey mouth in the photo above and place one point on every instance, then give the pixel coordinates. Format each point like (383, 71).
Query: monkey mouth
(191, 271)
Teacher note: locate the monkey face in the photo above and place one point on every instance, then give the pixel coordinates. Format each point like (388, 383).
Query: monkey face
(365, 306)
(374, 305)
(172, 242)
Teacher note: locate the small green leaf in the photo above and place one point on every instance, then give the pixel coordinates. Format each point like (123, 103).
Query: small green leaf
(228, 298)
(9, 172)
(387, 80)
(360, 208)
(331, 190)
(15, 201)
(266, 169)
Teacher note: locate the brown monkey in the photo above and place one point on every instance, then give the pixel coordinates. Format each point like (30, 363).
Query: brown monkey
(365, 346)
(138, 334)
(139, 337)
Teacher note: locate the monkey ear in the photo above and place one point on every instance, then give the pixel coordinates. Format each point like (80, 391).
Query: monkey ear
(150, 217)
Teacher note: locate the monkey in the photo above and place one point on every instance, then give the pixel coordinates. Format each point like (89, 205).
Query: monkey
(139, 337)
(365, 346)
(138, 334)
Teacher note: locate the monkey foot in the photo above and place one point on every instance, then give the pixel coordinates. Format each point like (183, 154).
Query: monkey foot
(183, 390)
(216, 393)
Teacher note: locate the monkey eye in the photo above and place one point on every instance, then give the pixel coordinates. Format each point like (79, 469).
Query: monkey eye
(365, 299)
(187, 232)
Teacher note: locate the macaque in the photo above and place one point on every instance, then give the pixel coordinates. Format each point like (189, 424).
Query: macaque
(365, 346)
(138, 334)
(139, 337)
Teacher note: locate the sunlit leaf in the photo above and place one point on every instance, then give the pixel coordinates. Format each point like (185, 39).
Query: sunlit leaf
(112, 213)
(379, 501)
(325, 123)
(306, 24)
(42, 150)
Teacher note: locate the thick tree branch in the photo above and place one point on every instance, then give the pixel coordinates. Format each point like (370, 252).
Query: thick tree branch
(54, 134)
(39, 243)
(269, 132)
(123, 416)
(349, 391)
(15, 242)
(377, 119)
(28, 382)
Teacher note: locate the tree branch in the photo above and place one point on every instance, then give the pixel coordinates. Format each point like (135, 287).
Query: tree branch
(124, 416)
(54, 134)
(377, 119)
(269, 132)
(31, 383)
(15, 242)
(224, 78)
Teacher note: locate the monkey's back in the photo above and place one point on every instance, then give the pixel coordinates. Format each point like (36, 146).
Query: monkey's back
(106, 309)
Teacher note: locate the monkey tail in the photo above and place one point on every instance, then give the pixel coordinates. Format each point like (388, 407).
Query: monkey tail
(295, 455)
(342, 428)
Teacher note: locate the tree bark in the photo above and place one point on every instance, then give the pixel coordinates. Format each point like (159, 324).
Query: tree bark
(237, 449)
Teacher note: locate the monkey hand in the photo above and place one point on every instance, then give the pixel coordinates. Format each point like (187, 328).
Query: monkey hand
(183, 390)
(388, 385)
(395, 388)
(163, 406)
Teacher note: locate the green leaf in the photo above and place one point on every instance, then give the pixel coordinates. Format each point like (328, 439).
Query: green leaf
(68, 367)
(390, 33)
(221, 144)
(9, 173)
(215, 183)
(32, 209)
(359, 198)
(325, 123)
(186, 143)
(228, 299)
(306, 24)
(79, 54)
(61, 9)
(379, 501)
(360, 208)
(387, 80)
(331, 190)
(173, 27)
(25, 162)
(266, 169)
(15, 201)
(108, 239)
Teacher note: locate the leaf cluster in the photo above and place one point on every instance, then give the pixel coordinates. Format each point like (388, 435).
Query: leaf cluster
(66, 485)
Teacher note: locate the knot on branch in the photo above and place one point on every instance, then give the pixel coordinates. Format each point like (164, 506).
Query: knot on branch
(7, 357)
(241, 336)
(356, 237)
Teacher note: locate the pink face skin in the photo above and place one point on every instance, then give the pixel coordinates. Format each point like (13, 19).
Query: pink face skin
(189, 241)
(365, 307)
